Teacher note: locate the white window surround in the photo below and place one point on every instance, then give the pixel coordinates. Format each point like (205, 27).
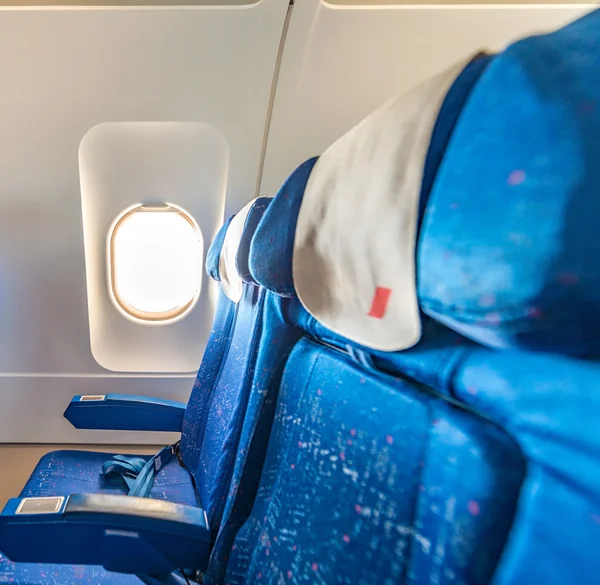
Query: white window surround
(131, 164)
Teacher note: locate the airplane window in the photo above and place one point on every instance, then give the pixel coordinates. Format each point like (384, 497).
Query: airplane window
(155, 262)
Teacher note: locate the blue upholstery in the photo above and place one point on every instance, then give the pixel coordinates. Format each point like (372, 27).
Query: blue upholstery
(242, 260)
(208, 374)
(69, 472)
(214, 251)
(220, 422)
(369, 479)
(212, 361)
(446, 122)
(282, 318)
(508, 257)
(270, 265)
(509, 244)
(313, 490)
(38, 574)
(275, 246)
(549, 405)
(452, 462)
(214, 356)
(72, 472)
(218, 402)
(379, 467)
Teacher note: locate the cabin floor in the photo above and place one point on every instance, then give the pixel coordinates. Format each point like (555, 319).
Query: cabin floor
(18, 461)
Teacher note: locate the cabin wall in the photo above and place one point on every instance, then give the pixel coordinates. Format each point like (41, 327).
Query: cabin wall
(153, 75)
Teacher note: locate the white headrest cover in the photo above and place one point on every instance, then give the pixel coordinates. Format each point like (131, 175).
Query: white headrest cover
(230, 279)
(354, 250)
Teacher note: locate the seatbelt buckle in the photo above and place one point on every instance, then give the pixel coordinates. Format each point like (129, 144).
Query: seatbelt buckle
(163, 457)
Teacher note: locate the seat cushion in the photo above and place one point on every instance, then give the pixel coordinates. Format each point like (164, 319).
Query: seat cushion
(37, 574)
(70, 472)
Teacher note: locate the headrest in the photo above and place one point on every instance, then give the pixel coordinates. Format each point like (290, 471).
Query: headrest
(272, 246)
(510, 242)
(231, 281)
(354, 249)
(214, 251)
(243, 256)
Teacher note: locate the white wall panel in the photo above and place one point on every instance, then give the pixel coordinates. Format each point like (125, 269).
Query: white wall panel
(341, 61)
(64, 71)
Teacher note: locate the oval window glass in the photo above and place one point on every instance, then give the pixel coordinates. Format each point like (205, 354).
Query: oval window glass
(156, 262)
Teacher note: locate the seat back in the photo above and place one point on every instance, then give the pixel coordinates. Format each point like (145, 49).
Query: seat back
(312, 360)
(370, 476)
(463, 455)
(282, 328)
(529, 291)
(219, 397)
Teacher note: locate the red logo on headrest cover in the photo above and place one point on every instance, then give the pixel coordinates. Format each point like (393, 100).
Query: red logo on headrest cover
(380, 302)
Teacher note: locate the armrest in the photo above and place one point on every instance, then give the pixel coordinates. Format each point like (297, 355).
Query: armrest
(125, 412)
(122, 533)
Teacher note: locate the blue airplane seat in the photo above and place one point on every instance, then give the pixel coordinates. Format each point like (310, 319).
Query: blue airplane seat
(412, 454)
(217, 406)
(271, 266)
(283, 327)
(362, 464)
(66, 472)
(530, 289)
(210, 423)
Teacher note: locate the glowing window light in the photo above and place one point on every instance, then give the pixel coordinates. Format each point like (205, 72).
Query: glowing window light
(155, 262)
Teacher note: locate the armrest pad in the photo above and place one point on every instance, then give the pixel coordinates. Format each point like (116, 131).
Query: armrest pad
(121, 533)
(124, 412)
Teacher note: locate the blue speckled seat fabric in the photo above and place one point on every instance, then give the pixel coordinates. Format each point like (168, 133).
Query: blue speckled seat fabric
(474, 456)
(68, 472)
(370, 477)
(77, 472)
(530, 288)
(219, 399)
(282, 329)
(286, 321)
